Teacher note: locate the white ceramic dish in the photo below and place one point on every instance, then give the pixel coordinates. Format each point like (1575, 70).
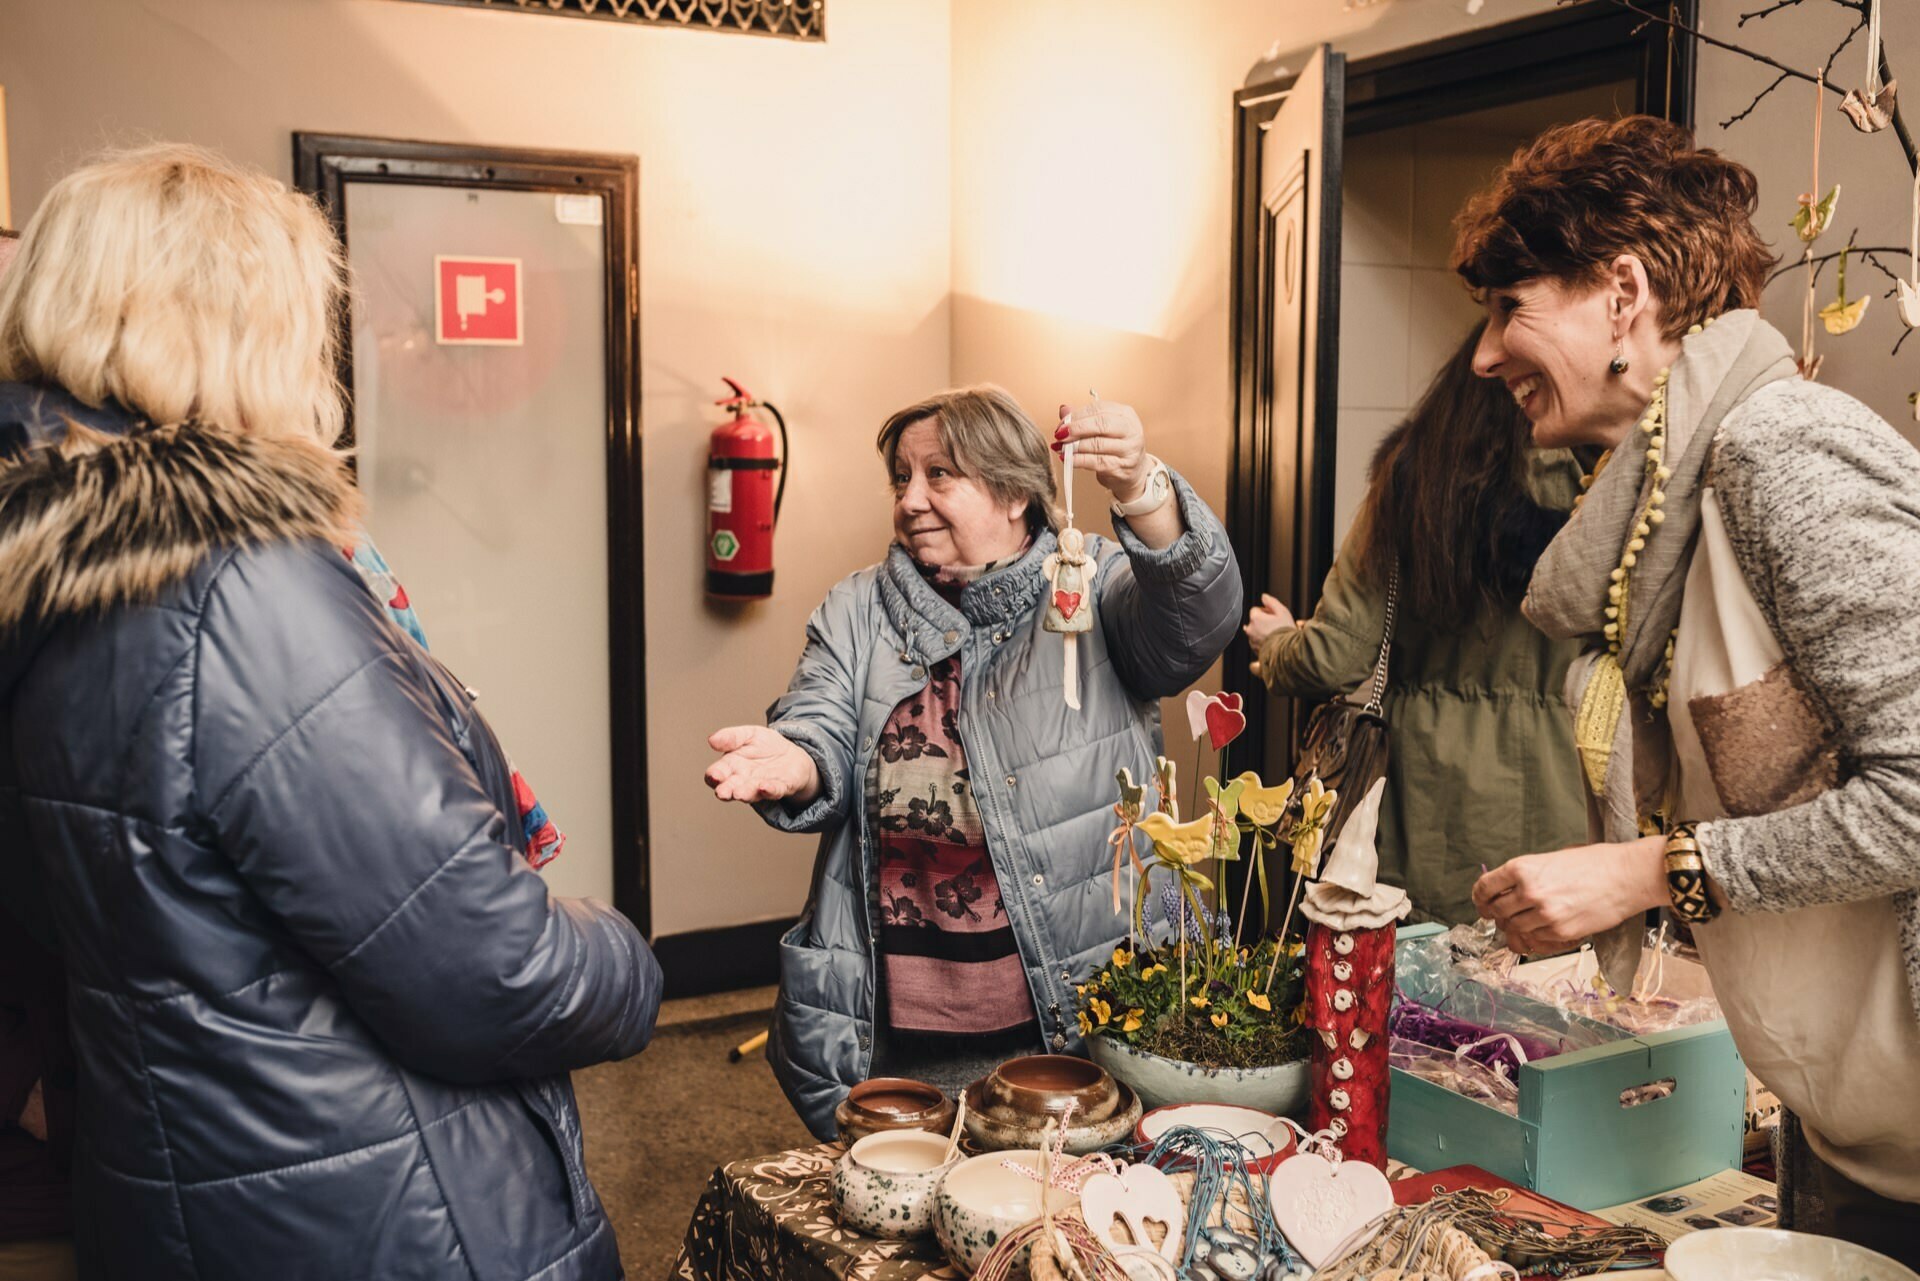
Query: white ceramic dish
(980, 1201)
(1769, 1254)
(1264, 1135)
(885, 1184)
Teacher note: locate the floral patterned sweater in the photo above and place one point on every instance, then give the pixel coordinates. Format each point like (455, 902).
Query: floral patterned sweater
(951, 962)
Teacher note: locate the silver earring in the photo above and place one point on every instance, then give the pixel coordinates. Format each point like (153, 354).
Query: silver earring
(1618, 364)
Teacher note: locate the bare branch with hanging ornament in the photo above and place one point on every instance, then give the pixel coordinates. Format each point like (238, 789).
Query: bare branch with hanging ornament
(1881, 80)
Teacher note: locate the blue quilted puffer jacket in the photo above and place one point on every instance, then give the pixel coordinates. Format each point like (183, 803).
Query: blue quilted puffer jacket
(1041, 773)
(323, 1010)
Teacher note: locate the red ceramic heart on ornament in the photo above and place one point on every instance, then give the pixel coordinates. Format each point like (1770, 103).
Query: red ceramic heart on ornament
(1225, 720)
(1066, 603)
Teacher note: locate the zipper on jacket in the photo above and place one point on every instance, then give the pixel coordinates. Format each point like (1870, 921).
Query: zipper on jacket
(963, 723)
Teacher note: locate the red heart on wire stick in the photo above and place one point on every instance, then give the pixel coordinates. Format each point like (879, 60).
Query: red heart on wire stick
(1066, 603)
(1225, 720)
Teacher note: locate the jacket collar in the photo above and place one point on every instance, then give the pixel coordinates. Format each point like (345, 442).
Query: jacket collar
(91, 519)
(37, 413)
(924, 617)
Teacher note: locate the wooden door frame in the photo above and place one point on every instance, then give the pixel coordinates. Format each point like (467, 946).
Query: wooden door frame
(323, 164)
(1560, 50)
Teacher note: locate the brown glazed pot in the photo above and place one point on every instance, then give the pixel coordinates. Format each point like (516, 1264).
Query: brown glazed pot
(893, 1103)
(1042, 1085)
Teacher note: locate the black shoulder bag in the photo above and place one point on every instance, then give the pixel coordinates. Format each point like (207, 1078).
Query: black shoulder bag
(1346, 742)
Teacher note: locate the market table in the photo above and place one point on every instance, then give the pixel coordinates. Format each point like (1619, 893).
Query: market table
(771, 1218)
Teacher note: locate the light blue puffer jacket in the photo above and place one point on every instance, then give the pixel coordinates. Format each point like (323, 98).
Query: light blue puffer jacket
(1042, 774)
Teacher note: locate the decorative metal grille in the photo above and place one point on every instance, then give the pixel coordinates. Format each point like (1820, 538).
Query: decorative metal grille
(795, 19)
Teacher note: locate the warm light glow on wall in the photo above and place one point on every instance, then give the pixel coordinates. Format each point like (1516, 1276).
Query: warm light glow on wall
(1075, 142)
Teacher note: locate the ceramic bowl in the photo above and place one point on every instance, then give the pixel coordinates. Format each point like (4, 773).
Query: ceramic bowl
(1769, 1254)
(885, 1183)
(1042, 1085)
(1281, 1089)
(994, 1131)
(980, 1201)
(1265, 1136)
(892, 1103)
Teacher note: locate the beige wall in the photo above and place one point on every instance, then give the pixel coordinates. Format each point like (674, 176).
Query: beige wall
(794, 233)
(1876, 185)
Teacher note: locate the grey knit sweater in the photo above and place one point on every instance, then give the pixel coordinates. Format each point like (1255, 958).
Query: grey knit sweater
(1821, 499)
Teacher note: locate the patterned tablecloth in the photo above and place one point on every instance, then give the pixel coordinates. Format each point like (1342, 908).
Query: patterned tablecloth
(771, 1218)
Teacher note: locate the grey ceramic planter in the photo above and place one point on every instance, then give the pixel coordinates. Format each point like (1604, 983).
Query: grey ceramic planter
(1281, 1089)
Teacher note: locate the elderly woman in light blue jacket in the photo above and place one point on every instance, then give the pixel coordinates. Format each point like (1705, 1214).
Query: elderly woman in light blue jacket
(964, 883)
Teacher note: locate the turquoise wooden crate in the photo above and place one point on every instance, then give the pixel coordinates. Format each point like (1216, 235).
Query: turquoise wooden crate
(1574, 1140)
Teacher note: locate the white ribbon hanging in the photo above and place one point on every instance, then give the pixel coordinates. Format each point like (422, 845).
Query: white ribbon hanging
(1071, 677)
(1874, 83)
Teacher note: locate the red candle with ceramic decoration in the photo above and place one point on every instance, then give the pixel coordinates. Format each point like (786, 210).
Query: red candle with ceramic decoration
(1349, 991)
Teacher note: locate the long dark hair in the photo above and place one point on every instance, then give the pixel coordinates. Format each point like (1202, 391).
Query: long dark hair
(1448, 500)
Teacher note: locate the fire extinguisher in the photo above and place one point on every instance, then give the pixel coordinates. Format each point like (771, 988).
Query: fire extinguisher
(743, 500)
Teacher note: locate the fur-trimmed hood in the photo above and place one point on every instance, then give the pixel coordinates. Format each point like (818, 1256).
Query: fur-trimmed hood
(98, 510)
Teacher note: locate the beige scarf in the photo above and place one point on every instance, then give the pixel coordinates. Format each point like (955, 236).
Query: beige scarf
(1623, 747)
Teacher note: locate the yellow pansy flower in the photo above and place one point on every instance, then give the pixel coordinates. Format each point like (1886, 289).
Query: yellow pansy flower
(1134, 1019)
(1122, 958)
(1101, 1009)
(1086, 1024)
(1220, 1019)
(1296, 949)
(1259, 1001)
(1200, 1002)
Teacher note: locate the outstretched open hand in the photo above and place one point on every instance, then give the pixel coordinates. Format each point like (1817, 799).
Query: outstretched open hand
(760, 764)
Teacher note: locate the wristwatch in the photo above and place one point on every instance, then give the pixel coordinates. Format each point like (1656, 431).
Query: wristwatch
(1687, 877)
(1159, 489)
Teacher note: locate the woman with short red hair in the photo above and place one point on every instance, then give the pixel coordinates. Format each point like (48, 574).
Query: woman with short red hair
(1743, 569)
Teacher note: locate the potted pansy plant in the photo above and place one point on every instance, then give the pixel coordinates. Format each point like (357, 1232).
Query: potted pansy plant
(1192, 1008)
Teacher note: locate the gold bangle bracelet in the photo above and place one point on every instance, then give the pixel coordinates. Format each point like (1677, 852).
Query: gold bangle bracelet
(1686, 871)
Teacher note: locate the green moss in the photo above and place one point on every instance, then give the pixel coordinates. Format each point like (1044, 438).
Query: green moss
(1195, 1040)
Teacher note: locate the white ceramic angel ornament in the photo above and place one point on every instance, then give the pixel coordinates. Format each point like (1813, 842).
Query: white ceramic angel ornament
(1069, 575)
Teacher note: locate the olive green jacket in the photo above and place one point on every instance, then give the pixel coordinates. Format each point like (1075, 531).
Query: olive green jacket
(1481, 765)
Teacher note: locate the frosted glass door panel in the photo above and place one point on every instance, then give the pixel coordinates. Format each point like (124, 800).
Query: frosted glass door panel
(484, 466)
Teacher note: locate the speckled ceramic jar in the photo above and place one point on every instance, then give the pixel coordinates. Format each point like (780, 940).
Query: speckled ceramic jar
(884, 1185)
(1281, 1090)
(980, 1201)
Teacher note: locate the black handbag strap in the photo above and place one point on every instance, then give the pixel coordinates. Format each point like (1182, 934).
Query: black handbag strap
(1379, 692)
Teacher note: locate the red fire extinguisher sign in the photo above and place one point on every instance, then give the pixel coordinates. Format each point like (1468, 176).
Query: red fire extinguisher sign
(743, 498)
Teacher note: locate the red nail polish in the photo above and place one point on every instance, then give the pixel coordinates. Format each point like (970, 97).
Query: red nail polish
(1061, 434)
(1055, 446)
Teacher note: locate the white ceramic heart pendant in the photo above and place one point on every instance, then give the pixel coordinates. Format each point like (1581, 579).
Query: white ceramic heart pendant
(1319, 1205)
(1135, 1195)
(1197, 712)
